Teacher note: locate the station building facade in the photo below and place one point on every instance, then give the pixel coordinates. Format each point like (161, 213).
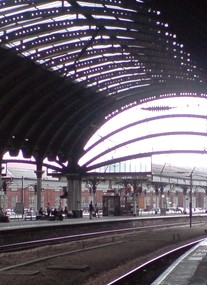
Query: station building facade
(21, 188)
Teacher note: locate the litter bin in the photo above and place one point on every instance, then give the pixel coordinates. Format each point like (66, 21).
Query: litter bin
(163, 211)
(77, 213)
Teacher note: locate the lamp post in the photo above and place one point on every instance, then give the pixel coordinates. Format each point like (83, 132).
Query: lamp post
(22, 198)
(134, 204)
(190, 203)
(190, 198)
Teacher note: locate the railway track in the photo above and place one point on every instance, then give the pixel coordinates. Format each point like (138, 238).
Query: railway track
(83, 236)
(148, 272)
(77, 258)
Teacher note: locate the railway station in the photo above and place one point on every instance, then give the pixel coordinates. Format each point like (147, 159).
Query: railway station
(60, 86)
(105, 102)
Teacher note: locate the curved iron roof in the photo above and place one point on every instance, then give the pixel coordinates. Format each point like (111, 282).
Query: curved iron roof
(66, 65)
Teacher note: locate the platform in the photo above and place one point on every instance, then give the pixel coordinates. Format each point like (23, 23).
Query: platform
(189, 269)
(28, 223)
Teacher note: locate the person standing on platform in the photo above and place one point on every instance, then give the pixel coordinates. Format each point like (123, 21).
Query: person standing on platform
(41, 212)
(66, 212)
(91, 210)
(48, 209)
(96, 214)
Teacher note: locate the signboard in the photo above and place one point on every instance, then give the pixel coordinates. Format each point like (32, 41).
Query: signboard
(19, 209)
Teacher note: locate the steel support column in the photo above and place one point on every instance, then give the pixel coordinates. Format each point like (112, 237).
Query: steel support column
(39, 188)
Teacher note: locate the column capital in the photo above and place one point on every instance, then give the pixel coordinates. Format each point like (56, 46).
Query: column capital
(39, 173)
(73, 176)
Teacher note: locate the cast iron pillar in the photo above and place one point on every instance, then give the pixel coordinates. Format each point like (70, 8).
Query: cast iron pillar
(74, 197)
(185, 189)
(39, 172)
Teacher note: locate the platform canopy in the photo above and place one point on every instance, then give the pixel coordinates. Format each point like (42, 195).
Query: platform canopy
(66, 66)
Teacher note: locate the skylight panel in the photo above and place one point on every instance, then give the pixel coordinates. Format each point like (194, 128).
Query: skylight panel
(93, 84)
(141, 85)
(73, 52)
(72, 41)
(120, 77)
(125, 19)
(113, 85)
(101, 46)
(112, 54)
(90, 58)
(56, 67)
(16, 43)
(80, 79)
(16, 7)
(45, 48)
(79, 28)
(103, 17)
(104, 80)
(113, 7)
(67, 17)
(118, 69)
(8, 45)
(89, 4)
(102, 37)
(12, 28)
(132, 87)
(112, 70)
(30, 39)
(131, 81)
(41, 61)
(134, 67)
(54, 4)
(102, 89)
(136, 46)
(132, 117)
(68, 73)
(26, 53)
(122, 61)
(83, 69)
(115, 28)
(15, 11)
(134, 30)
(33, 23)
(96, 66)
(125, 38)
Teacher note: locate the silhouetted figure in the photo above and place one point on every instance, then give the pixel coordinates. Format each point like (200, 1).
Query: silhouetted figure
(66, 212)
(48, 209)
(55, 213)
(96, 214)
(41, 213)
(91, 210)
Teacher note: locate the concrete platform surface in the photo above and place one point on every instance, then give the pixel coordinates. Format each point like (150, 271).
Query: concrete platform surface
(189, 269)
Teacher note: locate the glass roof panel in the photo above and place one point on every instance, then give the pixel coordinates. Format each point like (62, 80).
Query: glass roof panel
(103, 17)
(90, 4)
(113, 7)
(58, 34)
(53, 4)
(168, 106)
(14, 10)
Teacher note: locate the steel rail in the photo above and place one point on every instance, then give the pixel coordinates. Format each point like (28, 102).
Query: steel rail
(78, 237)
(120, 280)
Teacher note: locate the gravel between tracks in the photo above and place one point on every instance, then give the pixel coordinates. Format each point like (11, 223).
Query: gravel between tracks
(105, 263)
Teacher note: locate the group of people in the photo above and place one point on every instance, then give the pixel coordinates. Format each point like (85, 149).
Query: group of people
(93, 211)
(3, 216)
(56, 213)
